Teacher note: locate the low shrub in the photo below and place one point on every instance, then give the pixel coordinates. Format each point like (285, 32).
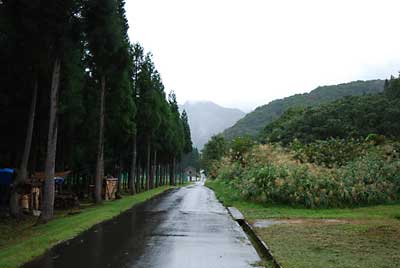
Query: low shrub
(329, 153)
(273, 174)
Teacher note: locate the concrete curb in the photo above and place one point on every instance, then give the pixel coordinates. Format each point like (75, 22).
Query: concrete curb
(262, 246)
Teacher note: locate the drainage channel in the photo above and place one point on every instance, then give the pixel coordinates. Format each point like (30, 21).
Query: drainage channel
(268, 260)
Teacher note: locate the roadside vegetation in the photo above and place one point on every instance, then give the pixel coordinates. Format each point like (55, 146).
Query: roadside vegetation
(323, 157)
(272, 174)
(20, 241)
(321, 185)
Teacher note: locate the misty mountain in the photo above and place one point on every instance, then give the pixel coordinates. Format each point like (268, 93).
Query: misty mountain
(207, 119)
(255, 121)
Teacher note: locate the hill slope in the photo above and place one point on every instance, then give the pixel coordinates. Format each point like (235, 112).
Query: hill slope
(255, 121)
(349, 117)
(207, 119)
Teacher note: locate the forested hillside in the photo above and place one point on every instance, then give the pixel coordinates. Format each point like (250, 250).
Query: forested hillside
(255, 121)
(350, 117)
(207, 118)
(77, 95)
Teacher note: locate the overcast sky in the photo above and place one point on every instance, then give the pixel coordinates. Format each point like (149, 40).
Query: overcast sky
(245, 53)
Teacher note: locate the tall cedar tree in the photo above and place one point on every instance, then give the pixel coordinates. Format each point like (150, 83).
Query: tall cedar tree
(148, 115)
(137, 65)
(120, 106)
(188, 146)
(178, 138)
(105, 38)
(56, 24)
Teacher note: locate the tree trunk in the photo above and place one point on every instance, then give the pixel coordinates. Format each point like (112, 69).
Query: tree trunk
(154, 168)
(163, 174)
(100, 146)
(178, 168)
(182, 174)
(158, 175)
(22, 172)
(148, 165)
(132, 174)
(48, 188)
(179, 174)
(172, 172)
(138, 176)
(166, 175)
(120, 174)
(169, 174)
(143, 179)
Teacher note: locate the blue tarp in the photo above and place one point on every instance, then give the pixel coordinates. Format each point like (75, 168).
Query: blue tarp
(59, 180)
(6, 176)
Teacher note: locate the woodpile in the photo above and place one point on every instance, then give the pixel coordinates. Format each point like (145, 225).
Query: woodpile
(110, 188)
(31, 194)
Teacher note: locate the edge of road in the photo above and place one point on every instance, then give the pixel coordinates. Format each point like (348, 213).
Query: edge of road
(260, 246)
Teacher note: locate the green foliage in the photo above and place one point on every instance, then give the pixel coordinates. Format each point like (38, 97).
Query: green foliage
(191, 159)
(104, 34)
(329, 153)
(91, 38)
(340, 154)
(255, 210)
(149, 117)
(392, 88)
(239, 147)
(186, 131)
(272, 175)
(213, 151)
(177, 141)
(350, 117)
(255, 121)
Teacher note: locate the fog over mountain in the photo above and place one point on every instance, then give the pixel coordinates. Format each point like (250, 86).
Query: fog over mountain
(207, 119)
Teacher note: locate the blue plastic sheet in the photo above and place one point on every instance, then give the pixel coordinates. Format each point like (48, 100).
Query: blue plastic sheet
(6, 176)
(59, 180)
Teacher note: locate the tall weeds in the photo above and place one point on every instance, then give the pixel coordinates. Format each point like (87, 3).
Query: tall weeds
(367, 174)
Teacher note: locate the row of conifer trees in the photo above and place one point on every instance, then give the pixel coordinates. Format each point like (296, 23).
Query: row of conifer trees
(77, 94)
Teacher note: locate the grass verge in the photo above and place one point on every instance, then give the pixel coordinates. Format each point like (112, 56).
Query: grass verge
(21, 242)
(357, 237)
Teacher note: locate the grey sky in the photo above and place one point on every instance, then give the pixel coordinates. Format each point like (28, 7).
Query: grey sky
(244, 53)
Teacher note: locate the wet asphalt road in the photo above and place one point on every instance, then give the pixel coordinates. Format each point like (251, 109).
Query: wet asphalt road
(185, 227)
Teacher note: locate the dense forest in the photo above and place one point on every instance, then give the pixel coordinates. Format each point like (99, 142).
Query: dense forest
(77, 95)
(349, 117)
(255, 121)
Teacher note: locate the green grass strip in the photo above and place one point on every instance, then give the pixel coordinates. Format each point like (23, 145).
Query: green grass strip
(34, 242)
